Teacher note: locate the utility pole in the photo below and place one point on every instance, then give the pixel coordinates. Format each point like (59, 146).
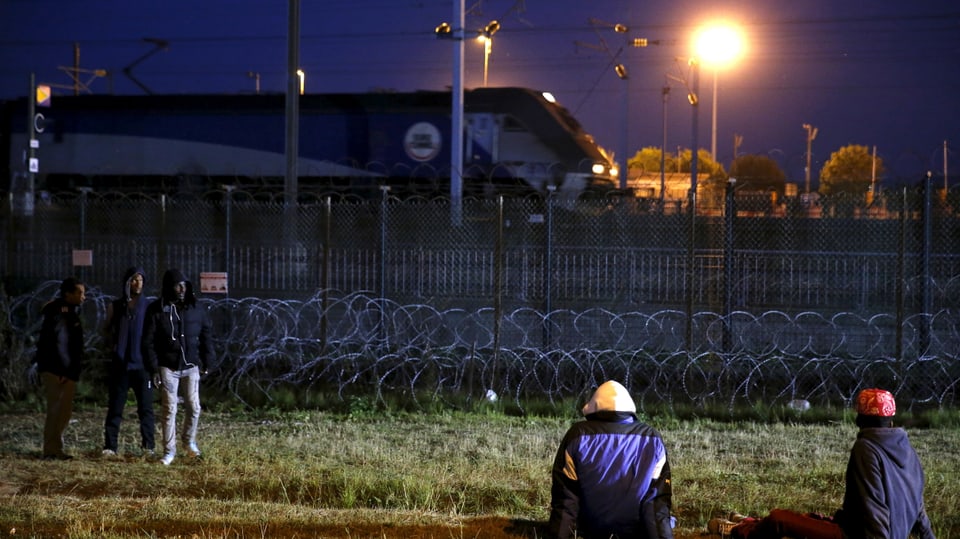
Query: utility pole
(665, 93)
(76, 67)
(292, 107)
(811, 134)
(944, 168)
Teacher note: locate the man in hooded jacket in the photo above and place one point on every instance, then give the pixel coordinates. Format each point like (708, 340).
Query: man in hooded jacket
(124, 333)
(178, 347)
(884, 487)
(611, 477)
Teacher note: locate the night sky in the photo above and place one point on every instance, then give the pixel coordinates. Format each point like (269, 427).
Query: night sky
(883, 73)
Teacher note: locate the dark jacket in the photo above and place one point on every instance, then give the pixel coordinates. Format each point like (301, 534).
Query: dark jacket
(60, 345)
(177, 334)
(125, 325)
(884, 488)
(611, 477)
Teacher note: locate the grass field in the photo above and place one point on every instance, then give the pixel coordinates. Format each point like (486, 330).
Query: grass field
(392, 475)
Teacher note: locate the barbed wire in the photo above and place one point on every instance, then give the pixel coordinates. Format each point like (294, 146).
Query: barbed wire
(360, 344)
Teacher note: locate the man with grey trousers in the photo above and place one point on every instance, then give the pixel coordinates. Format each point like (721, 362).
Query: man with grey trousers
(178, 347)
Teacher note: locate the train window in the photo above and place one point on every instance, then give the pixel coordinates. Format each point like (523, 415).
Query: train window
(512, 124)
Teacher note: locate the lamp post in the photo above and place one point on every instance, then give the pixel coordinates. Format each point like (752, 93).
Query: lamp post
(663, 147)
(694, 98)
(256, 77)
(455, 33)
(718, 45)
(811, 134)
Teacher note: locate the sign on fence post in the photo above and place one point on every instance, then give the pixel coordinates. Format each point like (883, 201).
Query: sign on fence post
(82, 258)
(213, 282)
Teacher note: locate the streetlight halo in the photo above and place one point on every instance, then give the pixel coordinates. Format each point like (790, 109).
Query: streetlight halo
(719, 44)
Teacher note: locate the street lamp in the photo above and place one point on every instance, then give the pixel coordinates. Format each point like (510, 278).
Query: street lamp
(256, 77)
(811, 134)
(717, 45)
(663, 148)
(455, 33)
(486, 37)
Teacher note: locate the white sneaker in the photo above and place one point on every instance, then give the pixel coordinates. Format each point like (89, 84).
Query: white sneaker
(167, 459)
(108, 453)
(193, 449)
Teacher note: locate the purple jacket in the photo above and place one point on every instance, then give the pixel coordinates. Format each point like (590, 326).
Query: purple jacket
(611, 476)
(884, 488)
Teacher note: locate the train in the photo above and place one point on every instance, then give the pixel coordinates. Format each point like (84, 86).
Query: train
(514, 138)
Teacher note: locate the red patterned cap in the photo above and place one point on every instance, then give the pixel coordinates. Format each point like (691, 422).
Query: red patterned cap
(876, 402)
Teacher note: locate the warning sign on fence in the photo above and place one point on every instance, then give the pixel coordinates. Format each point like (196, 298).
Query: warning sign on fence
(213, 282)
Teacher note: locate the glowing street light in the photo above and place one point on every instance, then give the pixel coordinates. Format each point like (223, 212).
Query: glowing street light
(486, 37)
(717, 45)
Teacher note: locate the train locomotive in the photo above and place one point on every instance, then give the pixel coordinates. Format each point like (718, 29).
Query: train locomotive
(513, 137)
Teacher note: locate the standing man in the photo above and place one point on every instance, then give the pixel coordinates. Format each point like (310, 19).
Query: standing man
(59, 362)
(611, 477)
(124, 332)
(178, 347)
(884, 487)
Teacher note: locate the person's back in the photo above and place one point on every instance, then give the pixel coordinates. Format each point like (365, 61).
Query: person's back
(884, 485)
(611, 477)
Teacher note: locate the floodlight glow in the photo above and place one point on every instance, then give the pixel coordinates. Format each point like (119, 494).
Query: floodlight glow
(719, 44)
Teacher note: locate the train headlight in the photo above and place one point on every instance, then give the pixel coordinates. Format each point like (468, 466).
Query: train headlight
(598, 169)
(614, 172)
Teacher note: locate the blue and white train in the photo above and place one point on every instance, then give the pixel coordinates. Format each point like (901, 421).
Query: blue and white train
(512, 137)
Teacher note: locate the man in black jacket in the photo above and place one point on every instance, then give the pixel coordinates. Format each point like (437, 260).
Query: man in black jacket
(124, 333)
(884, 487)
(59, 361)
(177, 348)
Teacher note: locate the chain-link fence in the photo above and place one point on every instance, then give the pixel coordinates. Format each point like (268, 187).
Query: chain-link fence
(541, 296)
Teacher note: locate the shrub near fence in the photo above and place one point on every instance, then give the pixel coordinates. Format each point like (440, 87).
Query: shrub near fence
(535, 296)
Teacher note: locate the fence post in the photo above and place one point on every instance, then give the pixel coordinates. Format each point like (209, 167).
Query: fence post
(548, 269)
(730, 212)
(9, 241)
(325, 273)
(691, 263)
(385, 189)
(498, 276)
(901, 274)
(925, 248)
(84, 191)
(162, 250)
(227, 235)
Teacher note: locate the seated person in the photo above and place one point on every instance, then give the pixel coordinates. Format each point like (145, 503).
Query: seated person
(611, 478)
(884, 487)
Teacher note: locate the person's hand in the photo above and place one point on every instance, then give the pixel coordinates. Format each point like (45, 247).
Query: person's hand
(157, 380)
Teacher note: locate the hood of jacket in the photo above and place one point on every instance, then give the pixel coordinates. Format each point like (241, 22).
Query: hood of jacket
(893, 442)
(170, 279)
(611, 396)
(128, 276)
